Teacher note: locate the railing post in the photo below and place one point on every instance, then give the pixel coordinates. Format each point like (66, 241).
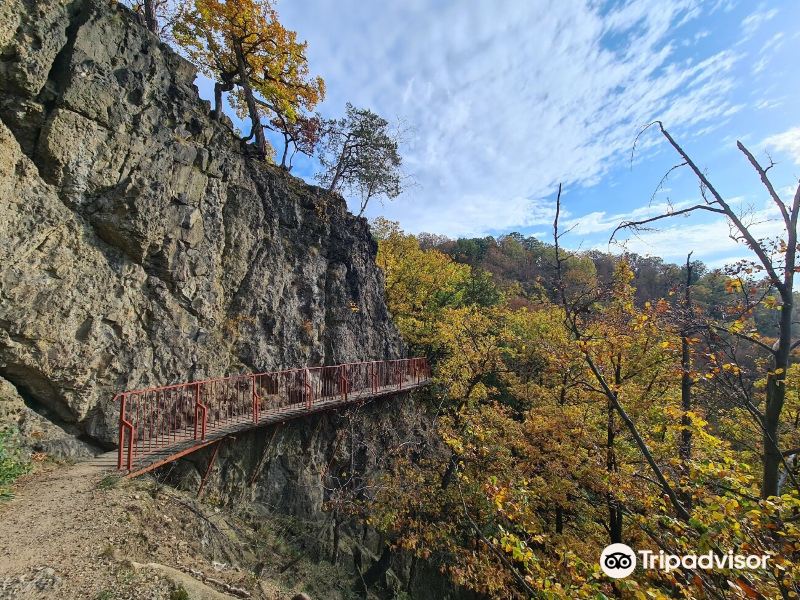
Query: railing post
(343, 382)
(306, 388)
(121, 431)
(255, 399)
(199, 407)
(123, 425)
(196, 408)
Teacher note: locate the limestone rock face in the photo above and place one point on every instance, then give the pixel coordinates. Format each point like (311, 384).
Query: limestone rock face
(140, 244)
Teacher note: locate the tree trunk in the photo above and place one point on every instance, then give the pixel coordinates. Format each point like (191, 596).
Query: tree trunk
(559, 520)
(412, 573)
(286, 143)
(244, 81)
(776, 394)
(150, 19)
(685, 450)
(217, 101)
(336, 524)
(614, 511)
(686, 401)
(680, 510)
(450, 470)
(341, 164)
(378, 568)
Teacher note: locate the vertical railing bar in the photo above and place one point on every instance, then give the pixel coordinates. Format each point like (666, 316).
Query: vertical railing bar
(149, 409)
(122, 402)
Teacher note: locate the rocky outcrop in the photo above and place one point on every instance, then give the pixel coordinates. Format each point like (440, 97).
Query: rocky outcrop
(142, 244)
(29, 431)
(139, 243)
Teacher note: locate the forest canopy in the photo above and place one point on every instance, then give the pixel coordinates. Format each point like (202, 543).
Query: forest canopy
(561, 409)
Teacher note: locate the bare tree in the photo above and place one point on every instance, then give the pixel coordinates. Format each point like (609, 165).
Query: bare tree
(777, 261)
(687, 318)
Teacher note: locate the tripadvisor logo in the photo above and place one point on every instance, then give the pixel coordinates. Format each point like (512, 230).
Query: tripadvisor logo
(619, 561)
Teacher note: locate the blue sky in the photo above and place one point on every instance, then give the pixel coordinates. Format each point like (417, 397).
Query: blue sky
(505, 99)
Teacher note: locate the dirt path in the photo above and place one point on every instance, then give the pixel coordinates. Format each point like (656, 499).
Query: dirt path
(73, 532)
(52, 517)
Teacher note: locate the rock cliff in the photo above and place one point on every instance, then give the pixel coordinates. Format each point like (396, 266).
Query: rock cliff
(142, 244)
(139, 243)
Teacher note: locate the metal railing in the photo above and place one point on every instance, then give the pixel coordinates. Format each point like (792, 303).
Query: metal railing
(156, 419)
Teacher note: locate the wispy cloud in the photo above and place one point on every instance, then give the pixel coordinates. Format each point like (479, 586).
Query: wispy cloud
(713, 240)
(787, 142)
(508, 99)
(603, 222)
(753, 21)
(767, 52)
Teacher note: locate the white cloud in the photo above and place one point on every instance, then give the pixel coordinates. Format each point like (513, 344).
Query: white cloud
(788, 142)
(767, 103)
(602, 222)
(508, 99)
(768, 51)
(724, 5)
(760, 65)
(752, 22)
(711, 240)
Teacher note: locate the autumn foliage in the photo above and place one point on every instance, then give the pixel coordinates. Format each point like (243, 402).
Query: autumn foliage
(242, 45)
(536, 471)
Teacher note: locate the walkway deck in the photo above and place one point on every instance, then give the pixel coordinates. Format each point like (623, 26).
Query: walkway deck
(159, 425)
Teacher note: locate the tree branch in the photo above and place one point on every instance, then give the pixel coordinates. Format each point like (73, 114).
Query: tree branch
(729, 212)
(767, 183)
(637, 224)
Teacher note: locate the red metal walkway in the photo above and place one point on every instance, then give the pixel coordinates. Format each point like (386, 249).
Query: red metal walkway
(159, 425)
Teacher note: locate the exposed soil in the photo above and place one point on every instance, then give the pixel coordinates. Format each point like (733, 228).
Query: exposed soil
(77, 532)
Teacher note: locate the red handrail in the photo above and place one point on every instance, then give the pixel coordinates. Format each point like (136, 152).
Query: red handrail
(185, 414)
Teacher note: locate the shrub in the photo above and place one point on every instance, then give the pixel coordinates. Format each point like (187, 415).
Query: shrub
(12, 465)
(179, 593)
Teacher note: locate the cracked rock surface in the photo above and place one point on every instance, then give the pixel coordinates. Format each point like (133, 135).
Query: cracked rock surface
(140, 245)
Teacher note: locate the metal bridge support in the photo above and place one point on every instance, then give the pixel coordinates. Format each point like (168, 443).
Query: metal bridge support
(210, 466)
(265, 456)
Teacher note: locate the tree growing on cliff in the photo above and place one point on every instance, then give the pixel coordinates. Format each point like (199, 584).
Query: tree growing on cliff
(359, 154)
(160, 16)
(242, 45)
(299, 135)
